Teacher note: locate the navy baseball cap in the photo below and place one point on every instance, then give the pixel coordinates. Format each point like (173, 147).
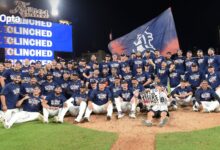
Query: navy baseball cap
(124, 82)
(93, 82)
(107, 55)
(49, 74)
(74, 73)
(18, 62)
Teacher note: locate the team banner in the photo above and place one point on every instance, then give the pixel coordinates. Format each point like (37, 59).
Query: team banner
(159, 33)
(34, 39)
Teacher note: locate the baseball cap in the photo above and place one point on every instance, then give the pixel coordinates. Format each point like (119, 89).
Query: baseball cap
(107, 55)
(93, 82)
(102, 81)
(18, 62)
(49, 74)
(124, 82)
(38, 62)
(74, 73)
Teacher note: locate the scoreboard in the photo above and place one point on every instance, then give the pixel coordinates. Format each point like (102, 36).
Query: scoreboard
(35, 39)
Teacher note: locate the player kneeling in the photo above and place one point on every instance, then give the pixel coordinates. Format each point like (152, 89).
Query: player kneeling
(76, 105)
(159, 107)
(182, 94)
(53, 104)
(206, 99)
(99, 102)
(125, 101)
(31, 105)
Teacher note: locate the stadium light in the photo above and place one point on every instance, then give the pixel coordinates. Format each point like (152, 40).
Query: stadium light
(54, 12)
(54, 7)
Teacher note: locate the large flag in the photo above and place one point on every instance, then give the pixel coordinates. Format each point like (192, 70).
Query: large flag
(159, 33)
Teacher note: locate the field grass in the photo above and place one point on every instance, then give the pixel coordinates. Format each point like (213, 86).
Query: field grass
(38, 136)
(208, 139)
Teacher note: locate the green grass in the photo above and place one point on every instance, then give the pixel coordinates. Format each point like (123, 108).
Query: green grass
(208, 139)
(38, 136)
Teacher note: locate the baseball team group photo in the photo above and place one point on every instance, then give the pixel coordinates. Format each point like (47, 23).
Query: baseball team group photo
(96, 75)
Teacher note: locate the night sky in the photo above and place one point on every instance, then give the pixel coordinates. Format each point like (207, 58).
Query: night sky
(196, 22)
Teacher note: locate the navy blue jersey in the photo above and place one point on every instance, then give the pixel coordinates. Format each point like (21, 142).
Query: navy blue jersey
(123, 65)
(114, 64)
(151, 67)
(111, 80)
(25, 69)
(214, 61)
(188, 64)
(203, 63)
(80, 97)
(11, 91)
(104, 65)
(142, 78)
(206, 95)
(180, 63)
(9, 74)
(57, 75)
(175, 78)
(126, 95)
(115, 90)
(168, 62)
(127, 77)
(90, 92)
(179, 90)
(163, 75)
(214, 79)
(158, 61)
(100, 97)
(40, 79)
(32, 104)
(27, 88)
(26, 76)
(48, 87)
(64, 84)
(55, 100)
(74, 87)
(138, 87)
(194, 78)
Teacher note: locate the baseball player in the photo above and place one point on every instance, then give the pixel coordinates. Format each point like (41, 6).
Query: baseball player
(125, 101)
(53, 104)
(9, 97)
(76, 106)
(206, 98)
(182, 94)
(194, 77)
(213, 78)
(100, 101)
(180, 61)
(31, 105)
(159, 108)
(49, 85)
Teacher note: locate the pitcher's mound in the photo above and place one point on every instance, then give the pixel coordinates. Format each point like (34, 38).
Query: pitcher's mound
(133, 135)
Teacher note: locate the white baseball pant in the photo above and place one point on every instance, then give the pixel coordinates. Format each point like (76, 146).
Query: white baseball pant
(99, 109)
(74, 110)
(23, 116)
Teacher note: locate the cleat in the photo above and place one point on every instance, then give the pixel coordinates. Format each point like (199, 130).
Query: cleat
(85, 119)
(132, 115)
(120, 115)
(163, 122)
(108, 118)
(147, 123)
(77, 120)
